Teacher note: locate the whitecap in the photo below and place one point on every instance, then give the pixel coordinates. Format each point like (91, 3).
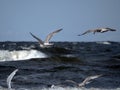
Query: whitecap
(6, 55)
(105, 42)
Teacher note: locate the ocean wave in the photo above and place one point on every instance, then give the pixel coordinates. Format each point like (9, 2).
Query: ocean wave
(60, 88)
(104, 42)
(6, 55)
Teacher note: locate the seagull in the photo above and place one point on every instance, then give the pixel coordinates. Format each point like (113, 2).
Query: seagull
(85, 81)
(101, 30)
(46, 42)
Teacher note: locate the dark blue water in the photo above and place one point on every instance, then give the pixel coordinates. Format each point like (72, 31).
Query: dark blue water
(66, 61)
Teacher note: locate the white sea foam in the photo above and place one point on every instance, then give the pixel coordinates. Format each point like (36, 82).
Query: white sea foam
(60, 88)
(105, 42)
(6, 55)
(76, 88)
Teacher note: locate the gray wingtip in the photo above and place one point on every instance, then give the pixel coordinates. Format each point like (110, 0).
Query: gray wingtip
(79, 35)
(30, 33)
(60, 29)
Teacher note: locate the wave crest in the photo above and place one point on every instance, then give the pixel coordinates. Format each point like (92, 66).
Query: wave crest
(6, 55)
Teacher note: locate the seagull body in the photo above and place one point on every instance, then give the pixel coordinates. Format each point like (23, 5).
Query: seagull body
(46, 42)
(101, 30)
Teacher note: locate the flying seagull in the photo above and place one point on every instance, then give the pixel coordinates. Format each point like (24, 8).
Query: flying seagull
(46, 42)
(101, 30)
(85, 81)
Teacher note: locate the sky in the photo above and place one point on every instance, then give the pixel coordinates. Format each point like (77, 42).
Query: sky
(41, 17)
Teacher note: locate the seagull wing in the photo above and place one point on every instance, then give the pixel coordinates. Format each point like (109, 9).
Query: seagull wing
(88, 79)
(49, 36)
(71, 81)
(110, 29)
(10, 77)
(39, 40)
(88, 31)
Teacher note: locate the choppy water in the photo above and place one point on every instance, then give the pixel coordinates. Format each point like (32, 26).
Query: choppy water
(42, 68)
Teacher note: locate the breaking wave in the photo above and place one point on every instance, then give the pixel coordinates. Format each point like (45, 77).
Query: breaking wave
(6, 55)
(104, 42)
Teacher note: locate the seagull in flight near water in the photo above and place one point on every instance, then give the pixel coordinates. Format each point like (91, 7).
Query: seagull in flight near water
(101, 30)
(85, 81)
(46, 42)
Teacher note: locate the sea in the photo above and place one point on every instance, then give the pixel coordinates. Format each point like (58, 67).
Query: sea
(60, 67)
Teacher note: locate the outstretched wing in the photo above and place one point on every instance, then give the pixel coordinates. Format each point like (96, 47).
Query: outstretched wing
(71, 81)
(88, 79)
(86, 32)
(10, 77)
(39, 40)
(49, 36)
(110, 29)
